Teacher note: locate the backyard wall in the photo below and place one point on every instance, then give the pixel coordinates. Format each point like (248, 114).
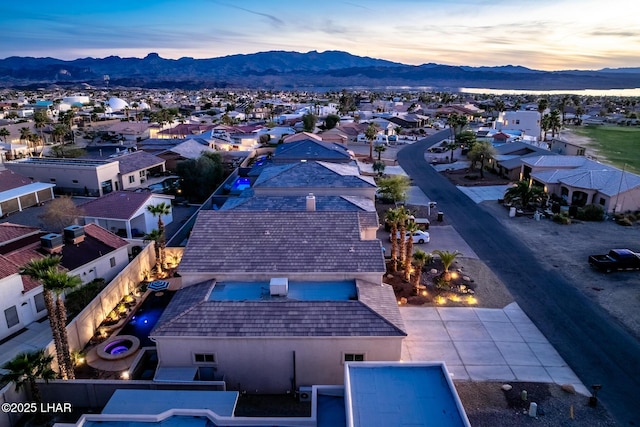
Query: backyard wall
(8, 394)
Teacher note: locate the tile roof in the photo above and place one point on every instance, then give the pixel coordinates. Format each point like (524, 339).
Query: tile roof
(250, 202)
(313, 175)
(10, 180)
(608, 181)
(310, 149)
(272, 319)
(192, 148)
(117, 205)
(112, 240)
(137, 160)
(280, 242)
(550, 161)
(10, 232)
(382, 300)
(7, 267)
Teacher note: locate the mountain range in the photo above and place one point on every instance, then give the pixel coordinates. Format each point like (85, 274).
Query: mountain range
(294, 70)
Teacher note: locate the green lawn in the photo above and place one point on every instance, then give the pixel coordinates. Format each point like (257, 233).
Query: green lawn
(619, 145)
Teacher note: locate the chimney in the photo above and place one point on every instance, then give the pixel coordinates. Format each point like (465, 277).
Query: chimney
(74, 234)
(52, 243)
(311, 202)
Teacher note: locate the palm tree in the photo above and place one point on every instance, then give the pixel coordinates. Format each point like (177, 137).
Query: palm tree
(403, 217)
(160, 210)
(4, 133)
(38, 269)
(410, 228)
(545, 125)
(40, 121)
(155, 237)
(370, 133)
(447, 258)
(26, 368)
(420, 258)
(379, 167)
(391, 217)
(59, 282)
(25, 133)
(524, 194)
(554, 123)
(380, 149)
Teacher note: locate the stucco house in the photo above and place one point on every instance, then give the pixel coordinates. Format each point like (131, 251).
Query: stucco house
(125, 212)
(136, 167)
(580, 181)
(311, 149)
(89, 252)
(526, 121)
(298, 296)
(567, 148)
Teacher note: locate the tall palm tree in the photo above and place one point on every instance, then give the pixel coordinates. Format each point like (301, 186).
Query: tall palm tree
(155, 237)
(160, 210)
(26, 368)
(391, 217)
(59, 282)
(420, 258)
(25, 133)
(447, 258)
(38, 269)
(555, 122)
(370, 133)
(403, 217)
(545, 125)
(410, 228)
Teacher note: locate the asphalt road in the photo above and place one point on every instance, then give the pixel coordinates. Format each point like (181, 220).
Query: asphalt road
(595, 345)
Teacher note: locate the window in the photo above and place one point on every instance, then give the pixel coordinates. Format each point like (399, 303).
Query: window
(204, 358)
(517, 122)
(11, 316)
(580, 152)
(143, 174)
(353, 357)
(112, 261)
(39, 301)
(602, 201)
(75, 181)
(132, 179)
(52, 179)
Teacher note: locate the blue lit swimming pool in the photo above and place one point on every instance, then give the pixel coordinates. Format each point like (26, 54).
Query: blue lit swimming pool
(241, 184)
(146, 317)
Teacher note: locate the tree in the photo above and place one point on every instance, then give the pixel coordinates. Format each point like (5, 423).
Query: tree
(200, 177)
(25, 134)
(370, 133)
(481, 151)
(543, 104)
(523, 194)
(60, 213)
(545, 125)
(155, 237)
(403, 217)
(309, 122)
(160, 210)
(26, 368)
(379, 167)
(331, 121)
(393, 188)
(4, 133)
(554, 123)
(564, 102)
(392, 217)
(409, 228)
(59, 282)
(447, 258)
(380, 149)
(419, 259)
(38, 269)
(40, 119)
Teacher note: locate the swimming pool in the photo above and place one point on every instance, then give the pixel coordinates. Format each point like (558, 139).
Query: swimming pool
(146, 317)
(241, 184)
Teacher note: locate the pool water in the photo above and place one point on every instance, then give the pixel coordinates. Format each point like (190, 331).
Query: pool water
(241, 184)
(146, 317)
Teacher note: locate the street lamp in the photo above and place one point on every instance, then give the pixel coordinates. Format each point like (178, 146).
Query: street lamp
(482, 165)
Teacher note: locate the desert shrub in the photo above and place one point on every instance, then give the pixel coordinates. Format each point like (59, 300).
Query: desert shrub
(625, 221)
(418, 300)
(561, 218)
(471, 177)
(591, 213)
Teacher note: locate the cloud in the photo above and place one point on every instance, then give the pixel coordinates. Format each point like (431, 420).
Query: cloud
(614, 33)
(273, 19)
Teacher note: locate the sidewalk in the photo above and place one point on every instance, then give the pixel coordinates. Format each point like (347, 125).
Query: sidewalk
(36, 336)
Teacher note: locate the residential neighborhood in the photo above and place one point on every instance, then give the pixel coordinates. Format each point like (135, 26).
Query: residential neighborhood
(231, 245)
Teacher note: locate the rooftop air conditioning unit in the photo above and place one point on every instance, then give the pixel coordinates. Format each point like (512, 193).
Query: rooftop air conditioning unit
(305, 394)
(74, 234)
(52, 243)
(279, 286)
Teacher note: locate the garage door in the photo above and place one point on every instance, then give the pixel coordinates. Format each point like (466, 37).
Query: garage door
(28, 200)
(9, 206)
(44, 195)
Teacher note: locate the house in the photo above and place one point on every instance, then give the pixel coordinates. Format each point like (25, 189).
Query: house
(249, 202)
(508, 158)
(130, 131)
(311, 149)
(315, 291)
(319, 178)
(125, 212)
(184, 130)
(136, 167)
(580, 181)
(75, 176)
(567, 148)
(18, 193)
(301, 136)
(335, 135)
(189, 149)
(526, 121)
(88, 252)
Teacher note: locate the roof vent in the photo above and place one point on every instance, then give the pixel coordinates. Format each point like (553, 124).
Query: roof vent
(279, 286)
(74, 234)
(311, 202)
(52, 243)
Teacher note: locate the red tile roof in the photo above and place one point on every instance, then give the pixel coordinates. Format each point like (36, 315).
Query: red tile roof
(117, 205)
(9, 232)
(105, 236)
(10, 180)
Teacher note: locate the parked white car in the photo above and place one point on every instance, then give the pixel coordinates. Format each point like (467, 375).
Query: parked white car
(418, 236)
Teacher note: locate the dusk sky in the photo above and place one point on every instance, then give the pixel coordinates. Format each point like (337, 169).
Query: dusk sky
(540, 34)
